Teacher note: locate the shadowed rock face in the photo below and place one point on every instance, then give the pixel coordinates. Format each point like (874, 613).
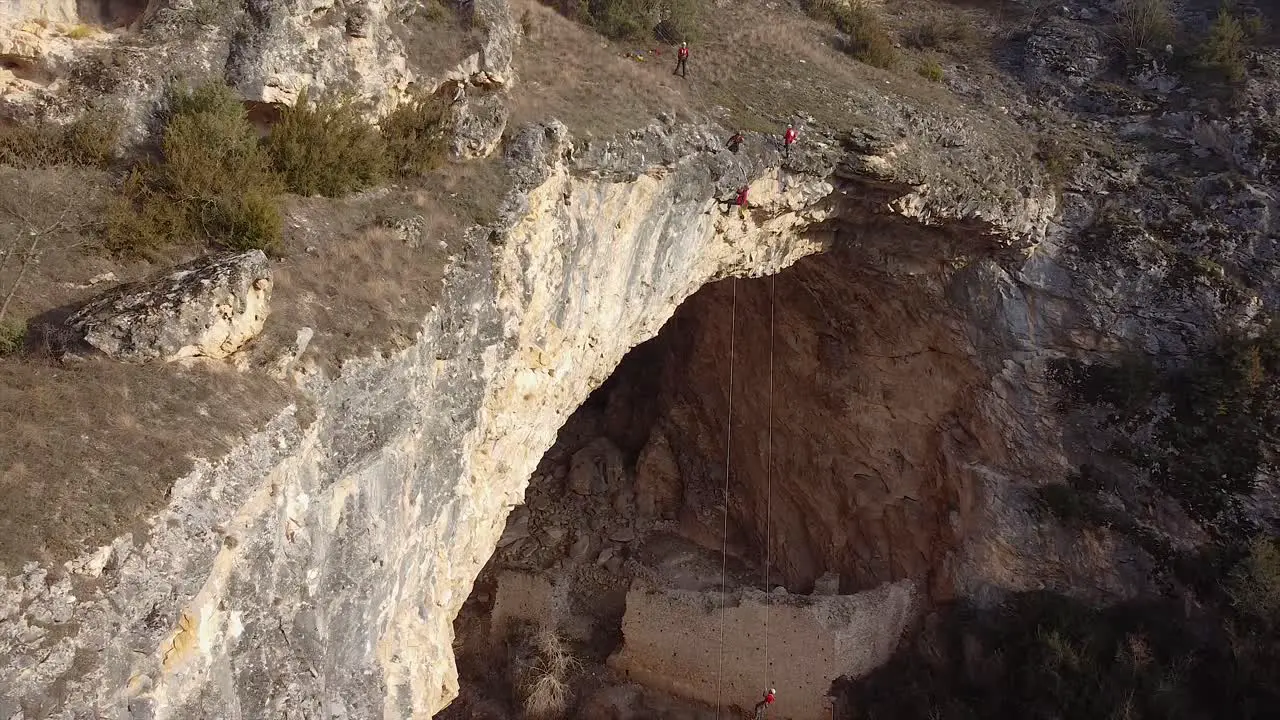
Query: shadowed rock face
(874, 426)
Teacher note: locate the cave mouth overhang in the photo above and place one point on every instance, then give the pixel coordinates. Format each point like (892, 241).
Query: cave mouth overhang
(875, 393)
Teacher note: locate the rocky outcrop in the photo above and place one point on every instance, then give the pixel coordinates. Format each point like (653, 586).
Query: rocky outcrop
(208, 308)
(319, 567)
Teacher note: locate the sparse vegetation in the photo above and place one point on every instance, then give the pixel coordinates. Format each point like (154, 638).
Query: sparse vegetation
(1145, 24)
(88, 140)
(12, 336)
(214, 184)
(1207, 424)
(417, 135)
(868, 39)
(1223, 50)
(1255, 583)
(930, 70)
(540, 667)
(940, 32)
(326, 148)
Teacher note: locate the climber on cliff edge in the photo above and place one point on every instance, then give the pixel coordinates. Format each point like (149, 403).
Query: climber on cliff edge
(764, 703)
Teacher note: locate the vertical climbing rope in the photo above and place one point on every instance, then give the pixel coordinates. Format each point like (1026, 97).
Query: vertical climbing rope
(724, 536)
(768, 487)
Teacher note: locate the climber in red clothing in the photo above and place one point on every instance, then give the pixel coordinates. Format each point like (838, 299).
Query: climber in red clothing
(682, 59)
(788, 139)
(740, 200)
(766, 702)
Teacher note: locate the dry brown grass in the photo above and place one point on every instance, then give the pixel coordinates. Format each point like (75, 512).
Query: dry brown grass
(87, 451)
(764, 71)
(348, 274)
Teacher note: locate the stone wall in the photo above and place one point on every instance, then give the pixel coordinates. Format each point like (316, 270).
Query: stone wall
(672, 641)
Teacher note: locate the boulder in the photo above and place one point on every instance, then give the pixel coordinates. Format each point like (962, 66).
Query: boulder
(659, 488)
(208, 308)
(479, 123)
(596, 468)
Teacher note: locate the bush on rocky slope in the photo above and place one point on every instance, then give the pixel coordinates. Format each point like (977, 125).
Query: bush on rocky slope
(213, 184)
(89, 140)
(1224, 48)
(417, 135)
(867, 38)
(326, 148)
(1145, 24)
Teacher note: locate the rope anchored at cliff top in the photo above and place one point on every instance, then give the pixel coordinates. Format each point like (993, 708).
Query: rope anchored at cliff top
(724, 537)
(728, 447)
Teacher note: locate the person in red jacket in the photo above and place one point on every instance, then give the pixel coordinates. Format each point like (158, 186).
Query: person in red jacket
(766, 702)
(682, 59)
(736, 141)
(740, 200)
(788, 139)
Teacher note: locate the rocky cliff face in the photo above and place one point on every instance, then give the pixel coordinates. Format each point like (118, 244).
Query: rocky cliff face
(319, 568)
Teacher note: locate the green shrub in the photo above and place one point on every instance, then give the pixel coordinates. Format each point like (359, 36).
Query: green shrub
(326, 148)
(930, 70)
(141, 221)
(1223, 50)
(89, 140)
(417, 135)
(213, 184)
(1144, 24)
(12, 336)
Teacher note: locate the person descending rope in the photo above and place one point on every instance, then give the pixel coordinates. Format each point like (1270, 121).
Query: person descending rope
(788, 139)
(682, 59)
(764, 703)
(736, 141)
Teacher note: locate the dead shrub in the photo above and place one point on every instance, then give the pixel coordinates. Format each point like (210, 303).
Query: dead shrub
(937, 32)
(89, 140)
(540, 668)
(1145, 24)
(326, 148)
(417, 135)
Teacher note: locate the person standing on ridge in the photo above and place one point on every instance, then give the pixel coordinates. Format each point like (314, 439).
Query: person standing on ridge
(766, 702)
(682, 59)
(788, 139)
(736, 141)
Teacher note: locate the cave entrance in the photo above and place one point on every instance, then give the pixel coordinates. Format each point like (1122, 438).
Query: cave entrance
(111, 14)
(873, 384)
